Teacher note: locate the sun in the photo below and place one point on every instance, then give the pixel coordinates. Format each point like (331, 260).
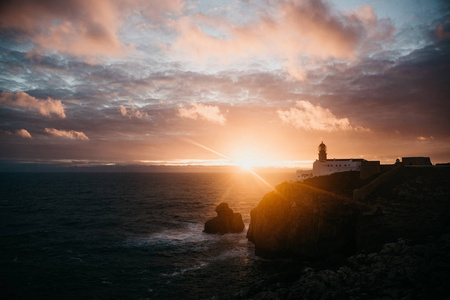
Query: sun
(246, 164)
(248, 158)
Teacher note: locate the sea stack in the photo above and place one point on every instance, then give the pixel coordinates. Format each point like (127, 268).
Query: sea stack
(226, 221)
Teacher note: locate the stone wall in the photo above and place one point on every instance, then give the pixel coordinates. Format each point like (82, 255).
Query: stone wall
(369, 169)
(416, 161)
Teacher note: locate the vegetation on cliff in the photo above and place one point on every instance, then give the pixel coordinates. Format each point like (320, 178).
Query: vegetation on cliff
(414, 204)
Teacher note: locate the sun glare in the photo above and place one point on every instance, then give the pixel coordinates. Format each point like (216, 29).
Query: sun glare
(246, 164)
(243, 156)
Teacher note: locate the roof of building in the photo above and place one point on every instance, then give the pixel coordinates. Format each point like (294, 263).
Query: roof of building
(346, 159)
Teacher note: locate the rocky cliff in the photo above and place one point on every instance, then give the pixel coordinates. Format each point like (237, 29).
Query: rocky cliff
(319, 220)
(400, 270)
(297, 220)
(413, 204)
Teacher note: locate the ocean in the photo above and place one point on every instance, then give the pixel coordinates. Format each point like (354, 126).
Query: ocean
(127, 235)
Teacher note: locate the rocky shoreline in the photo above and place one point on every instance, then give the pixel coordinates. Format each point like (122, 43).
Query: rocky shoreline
(401, 270)
(393, 245)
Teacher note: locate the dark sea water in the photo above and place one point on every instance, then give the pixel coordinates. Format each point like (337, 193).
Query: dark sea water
(126, 236)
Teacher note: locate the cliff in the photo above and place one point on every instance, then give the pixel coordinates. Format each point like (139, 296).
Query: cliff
(414, 203)
(400, 270)
(297, 220)
(317, 219)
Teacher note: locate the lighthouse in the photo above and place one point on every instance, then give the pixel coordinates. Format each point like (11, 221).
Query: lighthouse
(322, 152)
(324, 166)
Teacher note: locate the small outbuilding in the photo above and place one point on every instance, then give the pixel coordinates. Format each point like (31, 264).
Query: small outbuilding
(416, 161)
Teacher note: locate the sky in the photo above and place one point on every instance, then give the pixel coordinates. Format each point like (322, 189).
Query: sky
(237, 82)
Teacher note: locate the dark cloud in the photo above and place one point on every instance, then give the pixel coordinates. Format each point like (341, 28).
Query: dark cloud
(409, 94)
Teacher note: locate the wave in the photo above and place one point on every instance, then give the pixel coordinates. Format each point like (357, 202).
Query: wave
(189, 233)
(184, 270)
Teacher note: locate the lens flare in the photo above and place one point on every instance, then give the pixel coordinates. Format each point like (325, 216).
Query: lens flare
(245, 164)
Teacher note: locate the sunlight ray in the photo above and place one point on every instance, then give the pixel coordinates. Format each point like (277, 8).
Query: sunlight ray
(224, 156)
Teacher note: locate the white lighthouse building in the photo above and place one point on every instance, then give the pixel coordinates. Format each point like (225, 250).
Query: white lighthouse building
(325, 166)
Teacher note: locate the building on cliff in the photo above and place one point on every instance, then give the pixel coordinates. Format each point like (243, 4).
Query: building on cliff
(416, 161)
(325, 166)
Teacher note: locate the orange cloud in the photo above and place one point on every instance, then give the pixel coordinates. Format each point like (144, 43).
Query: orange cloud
(20, 132)
(23, 133)
(45, 107)
(314, 117)
(201, 111)
(79, 27)
(295, 29)
(71, 134)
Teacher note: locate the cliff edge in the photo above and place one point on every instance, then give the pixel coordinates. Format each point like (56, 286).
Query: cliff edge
(319, 219)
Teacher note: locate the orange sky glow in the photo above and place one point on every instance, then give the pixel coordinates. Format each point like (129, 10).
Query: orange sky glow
(222, 83)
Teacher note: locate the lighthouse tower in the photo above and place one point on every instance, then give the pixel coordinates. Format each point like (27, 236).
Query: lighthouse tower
(324, 166)
(322, 152)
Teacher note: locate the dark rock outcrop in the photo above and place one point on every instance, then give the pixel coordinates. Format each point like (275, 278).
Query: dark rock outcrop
(226, 221)
(303, 221)
(299, 221)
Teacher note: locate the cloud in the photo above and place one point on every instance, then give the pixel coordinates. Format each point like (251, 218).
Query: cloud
(123, 110)
(132, 112)
(19, 132)
(290, 31)
(409, 94)
(155, 10)
(315, 117)
(201, 111)
(71, 134)
(423, 138)
(23, 133)
(79, 27)
(47, 108)
(443, 31)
